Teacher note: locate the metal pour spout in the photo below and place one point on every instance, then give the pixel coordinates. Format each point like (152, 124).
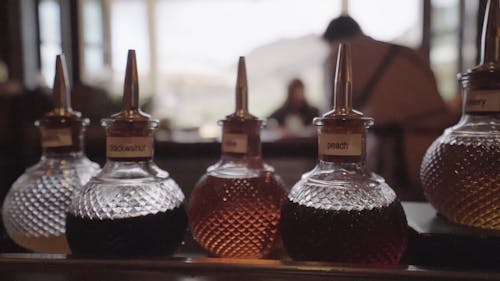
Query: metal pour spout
(490, 41)
(131, 85)
(241, 108)
(61, 89)
(343, 81)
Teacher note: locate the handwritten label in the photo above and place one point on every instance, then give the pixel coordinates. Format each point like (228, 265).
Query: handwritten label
(129, 147)
(340, 144)
(235, 143)
(56, 137)
(483, 101)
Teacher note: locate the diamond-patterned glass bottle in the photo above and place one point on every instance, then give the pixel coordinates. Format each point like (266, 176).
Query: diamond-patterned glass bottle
(34, 210)
(340, 211)
(131, 208)
(460, 172)
(235, 207)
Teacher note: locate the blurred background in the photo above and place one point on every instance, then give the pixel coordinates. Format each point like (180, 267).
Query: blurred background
(187, 52)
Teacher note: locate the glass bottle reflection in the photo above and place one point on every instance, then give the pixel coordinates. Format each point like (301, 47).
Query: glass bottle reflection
(132, 207)
(235, 207)
(340, 211)
(34, 210)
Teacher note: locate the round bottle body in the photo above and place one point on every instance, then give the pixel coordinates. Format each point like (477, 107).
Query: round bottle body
(460, 174)
(350, 220)
(234, 212)
(34, 210)
(130, 209)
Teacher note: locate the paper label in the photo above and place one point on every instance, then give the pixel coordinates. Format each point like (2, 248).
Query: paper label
(129, 147)
(56, 137)
(483, 101)
(236, 143)
(340, 144)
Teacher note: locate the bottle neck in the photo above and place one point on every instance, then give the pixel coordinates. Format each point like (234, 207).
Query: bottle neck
(241, 142)
(63, 141)
(481, 102)
(343, 144)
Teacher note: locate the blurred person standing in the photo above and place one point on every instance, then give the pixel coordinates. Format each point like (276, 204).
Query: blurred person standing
(396, 86)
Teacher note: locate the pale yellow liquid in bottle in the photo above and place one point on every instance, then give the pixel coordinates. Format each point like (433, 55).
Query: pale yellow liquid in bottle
(51, 245)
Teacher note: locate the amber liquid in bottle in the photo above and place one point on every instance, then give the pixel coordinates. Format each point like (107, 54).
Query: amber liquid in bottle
(235, 208)
(462, 179)
(236, 217)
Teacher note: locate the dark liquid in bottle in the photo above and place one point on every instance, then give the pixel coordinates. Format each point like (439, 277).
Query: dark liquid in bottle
(376, 236)
(236, 217)
(151, 235)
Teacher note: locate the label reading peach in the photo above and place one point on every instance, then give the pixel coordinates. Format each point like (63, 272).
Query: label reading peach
(483, 101)
(129, 147)
(56, 137)
(235, 143)
(340, 144)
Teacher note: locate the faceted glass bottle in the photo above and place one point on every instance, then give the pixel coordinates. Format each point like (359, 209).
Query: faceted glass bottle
(131, 208)
(235, 207)
(34, 210)
(340, 211)
(460, 172)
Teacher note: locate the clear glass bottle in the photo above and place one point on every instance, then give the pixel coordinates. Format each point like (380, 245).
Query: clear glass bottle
(460, 172)
(340, 211)
(131, 208)
(34, 210)
(235, 207)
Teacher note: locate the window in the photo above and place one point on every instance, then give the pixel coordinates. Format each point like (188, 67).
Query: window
(187, 49)
(49, 14)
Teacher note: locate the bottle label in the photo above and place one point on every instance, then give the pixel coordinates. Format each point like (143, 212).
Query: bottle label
(235, 143)
(56, 137)
(129, 147)
(483, 101)
(340, 144)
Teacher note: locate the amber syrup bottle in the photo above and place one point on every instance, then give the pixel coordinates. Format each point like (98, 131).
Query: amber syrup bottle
(132, 208)
(235, 207)
(460, 172)
(34, 210)
(340, 211)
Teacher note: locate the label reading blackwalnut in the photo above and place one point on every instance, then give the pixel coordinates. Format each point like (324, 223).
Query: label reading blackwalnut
(340, 144)
(56, 137)
(235, 143)
(483, 101)
(129, 147)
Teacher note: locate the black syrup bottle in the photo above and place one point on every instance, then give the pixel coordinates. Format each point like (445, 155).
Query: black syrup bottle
(340, 211)
(131, 208)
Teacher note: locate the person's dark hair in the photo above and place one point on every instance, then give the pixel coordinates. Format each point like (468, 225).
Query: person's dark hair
(341, 27)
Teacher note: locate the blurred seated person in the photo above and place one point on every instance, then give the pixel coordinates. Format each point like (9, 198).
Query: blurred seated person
(395, 85)
(296, 113)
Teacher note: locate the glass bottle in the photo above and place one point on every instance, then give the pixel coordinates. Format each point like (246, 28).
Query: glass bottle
(131, 208)
(340, 211)
(34, 210)
(235, 207)
(460, 172)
